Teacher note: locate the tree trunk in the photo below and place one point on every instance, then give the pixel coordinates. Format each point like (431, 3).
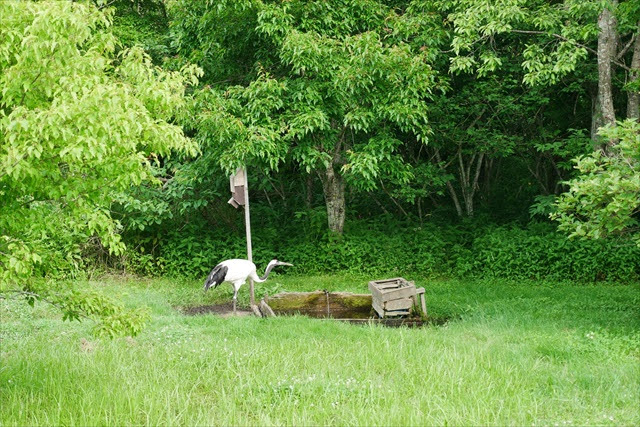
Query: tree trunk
(333, 185)
(596, 115)
(309, 191)
(607, 43)
(633, 99)
(454, 197)
(452, 191)
(468, 185)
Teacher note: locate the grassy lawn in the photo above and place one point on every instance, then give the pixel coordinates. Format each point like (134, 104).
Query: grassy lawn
(515, 353)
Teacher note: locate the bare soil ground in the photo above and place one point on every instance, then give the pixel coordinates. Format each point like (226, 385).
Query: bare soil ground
(222, 310)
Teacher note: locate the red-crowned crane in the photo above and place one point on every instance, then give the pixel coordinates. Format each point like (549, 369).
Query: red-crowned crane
(236, 272)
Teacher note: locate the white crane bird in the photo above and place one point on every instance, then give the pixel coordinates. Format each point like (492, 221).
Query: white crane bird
(236, 272)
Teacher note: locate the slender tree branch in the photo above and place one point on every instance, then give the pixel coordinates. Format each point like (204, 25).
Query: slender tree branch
(452, 190)
(338, 147)
(393, 199)
(379, 204)
(12, 166)
(477, 175)
(53, 53)
(626, 47)
(463, 178)
(473, 157)
(41, 298)
(478, 117)
(558, 36)
(278, 191)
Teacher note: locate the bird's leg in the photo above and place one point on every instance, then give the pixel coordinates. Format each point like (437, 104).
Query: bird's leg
(235, 298)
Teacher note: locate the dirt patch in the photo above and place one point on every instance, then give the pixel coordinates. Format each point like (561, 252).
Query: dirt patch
(87, 346)
(222, 310)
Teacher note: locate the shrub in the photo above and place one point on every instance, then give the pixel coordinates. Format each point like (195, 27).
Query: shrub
(518, 253)
(536, 252)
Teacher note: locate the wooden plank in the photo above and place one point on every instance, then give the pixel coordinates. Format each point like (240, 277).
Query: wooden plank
(376, 293)
(423, 304)
(388, 313)
(388, 282)
(377, 286)
(386, 290)
(256, 310)
(265, 309)
(398, 293)
(395, 313)
(398, 304)
(378, 308)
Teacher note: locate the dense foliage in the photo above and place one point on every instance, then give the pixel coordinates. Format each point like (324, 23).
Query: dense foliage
(302, 92)
(605, 198)
(79, 125)
(471, 250)
(380, 136)
(330, 89)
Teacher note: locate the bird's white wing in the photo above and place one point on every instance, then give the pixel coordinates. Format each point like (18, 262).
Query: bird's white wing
(239, 269)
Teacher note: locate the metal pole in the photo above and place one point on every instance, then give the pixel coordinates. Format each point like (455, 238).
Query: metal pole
(247, 224)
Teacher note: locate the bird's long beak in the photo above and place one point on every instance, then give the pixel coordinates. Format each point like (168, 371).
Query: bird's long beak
(285, 263)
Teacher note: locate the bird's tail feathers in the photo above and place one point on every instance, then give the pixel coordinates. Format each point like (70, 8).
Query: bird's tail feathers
(216, 277)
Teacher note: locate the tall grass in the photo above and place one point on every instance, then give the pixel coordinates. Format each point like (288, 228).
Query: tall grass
(515, 354)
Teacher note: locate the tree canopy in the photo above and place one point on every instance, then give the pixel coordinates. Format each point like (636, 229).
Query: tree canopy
(333, 85)
(79, 123)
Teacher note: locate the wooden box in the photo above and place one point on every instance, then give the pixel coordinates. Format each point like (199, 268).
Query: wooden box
(392, 297)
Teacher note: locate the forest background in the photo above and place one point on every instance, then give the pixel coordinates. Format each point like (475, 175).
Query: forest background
(441, 138)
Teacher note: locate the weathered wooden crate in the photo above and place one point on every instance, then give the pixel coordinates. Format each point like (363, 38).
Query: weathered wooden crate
(395, 297)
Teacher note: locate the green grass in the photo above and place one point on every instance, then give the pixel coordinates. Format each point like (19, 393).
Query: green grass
(516, 354)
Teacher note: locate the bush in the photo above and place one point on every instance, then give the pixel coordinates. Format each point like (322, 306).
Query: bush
(537, 252)
(518, 253)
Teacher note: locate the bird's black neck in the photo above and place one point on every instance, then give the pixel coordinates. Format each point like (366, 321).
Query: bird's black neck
(267, 271)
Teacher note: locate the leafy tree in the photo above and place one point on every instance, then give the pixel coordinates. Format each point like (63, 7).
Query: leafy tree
(605, 198)
(142, 23)
(491, 117)
(332, 85)
(482, 122)
(561, 38)
(78, 125)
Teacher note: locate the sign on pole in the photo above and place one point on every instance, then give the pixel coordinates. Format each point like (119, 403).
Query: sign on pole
(239, 186)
